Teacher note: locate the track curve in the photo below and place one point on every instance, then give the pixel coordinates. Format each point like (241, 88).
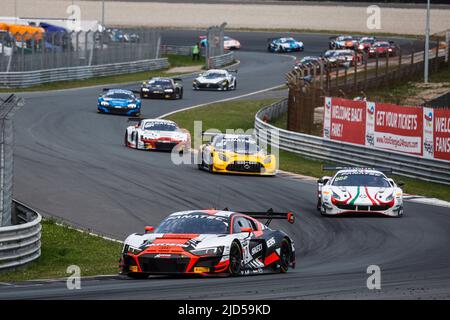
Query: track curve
(70, 162)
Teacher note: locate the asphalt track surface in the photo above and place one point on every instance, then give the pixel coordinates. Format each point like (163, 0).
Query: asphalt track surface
(70, 162)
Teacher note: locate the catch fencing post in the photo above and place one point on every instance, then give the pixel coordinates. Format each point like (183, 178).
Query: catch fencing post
(7, 109)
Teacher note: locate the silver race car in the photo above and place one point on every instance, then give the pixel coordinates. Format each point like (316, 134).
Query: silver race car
(216, 79)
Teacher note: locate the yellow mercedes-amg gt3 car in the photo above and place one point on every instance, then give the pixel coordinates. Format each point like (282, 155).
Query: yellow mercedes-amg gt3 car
(235, 153)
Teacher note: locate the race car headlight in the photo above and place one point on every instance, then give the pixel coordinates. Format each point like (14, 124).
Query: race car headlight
(168, 90)
(145, 89)
(268, 160)
(133, 250)
(336, 196)
(390, 197)
(132, 105)
(214, 251)
(361, 46)
(104, 103)
(222, 156)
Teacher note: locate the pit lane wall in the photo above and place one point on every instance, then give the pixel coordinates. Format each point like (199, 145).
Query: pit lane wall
(31, 78)
(20, 243)
(356, 152)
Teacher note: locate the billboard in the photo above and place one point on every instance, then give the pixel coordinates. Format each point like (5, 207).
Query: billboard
(419, 131)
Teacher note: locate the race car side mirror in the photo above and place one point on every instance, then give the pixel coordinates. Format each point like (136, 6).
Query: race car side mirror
(320, 181)
(246, 230)
(400, 183)
(149, 229)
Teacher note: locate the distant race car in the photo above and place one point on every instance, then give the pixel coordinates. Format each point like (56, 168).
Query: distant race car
(157, 134)
(365, 43)
(216, 79)
(345, 58)
(165, 88)
(353, 191)
(236, 153)
(210, 242)
(119, 101)
(342, 42)
(285, 45)
(228, 43)
(383, 48)
(308, 61)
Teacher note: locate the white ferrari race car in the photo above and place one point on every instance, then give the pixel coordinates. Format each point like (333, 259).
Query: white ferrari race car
(359, 191)
(216, 79)
(157, 134)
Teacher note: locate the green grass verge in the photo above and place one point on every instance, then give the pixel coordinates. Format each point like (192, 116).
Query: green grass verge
(174, 61)
(62, 247)
(240, 115)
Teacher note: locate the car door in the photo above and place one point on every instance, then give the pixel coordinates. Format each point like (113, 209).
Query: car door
(254, 248)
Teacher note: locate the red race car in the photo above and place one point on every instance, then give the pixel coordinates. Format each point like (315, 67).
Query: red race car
(210, 242)
(383, 48)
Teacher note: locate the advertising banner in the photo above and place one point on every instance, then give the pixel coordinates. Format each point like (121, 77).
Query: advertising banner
(346, 120)
(441, 134)
(398, 128)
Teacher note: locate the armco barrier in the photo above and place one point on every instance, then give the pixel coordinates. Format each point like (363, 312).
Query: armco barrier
(30, 78)
(346, 153)
(21, 242)
(220, 61)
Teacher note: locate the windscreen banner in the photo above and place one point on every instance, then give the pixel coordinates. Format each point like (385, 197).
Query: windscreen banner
(417, 131)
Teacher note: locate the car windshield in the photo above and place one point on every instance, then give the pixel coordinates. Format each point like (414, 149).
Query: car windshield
(119, 95)
(160, 126)
(238, 145)
(330, 54)
(367, 41)
(159, 82)
(213, 75)
(382, 45)
(194, 223)
(346, 38)
(361, 179)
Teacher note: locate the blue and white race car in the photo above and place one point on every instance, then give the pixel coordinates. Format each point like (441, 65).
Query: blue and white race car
(285, 45)
(119, 101)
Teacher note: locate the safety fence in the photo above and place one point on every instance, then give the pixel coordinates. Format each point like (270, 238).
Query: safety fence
(346, 153)
(41, 50)
(179, 50)
(20, 243)
(30, 78)
(221, 61)
(355, 75)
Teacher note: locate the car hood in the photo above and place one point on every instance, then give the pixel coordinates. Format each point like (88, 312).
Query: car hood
(359, 195)
(156, 134)
(118, 102)
(207, 80)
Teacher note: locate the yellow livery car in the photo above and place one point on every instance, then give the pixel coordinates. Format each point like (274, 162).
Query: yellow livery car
(234, 153)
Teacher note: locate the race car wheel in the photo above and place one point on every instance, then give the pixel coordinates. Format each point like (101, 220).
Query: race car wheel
(285, 255)
(137, 139)
(235, 85)
(135, 275)
(235, 265)
(181, 94)
(126, 139)
(400, 213)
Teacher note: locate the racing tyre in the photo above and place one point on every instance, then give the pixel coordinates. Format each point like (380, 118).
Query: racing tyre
(235, 85)
(181, 94)
(134, 275)
(126, 139)
(285, 255)
(234, 268)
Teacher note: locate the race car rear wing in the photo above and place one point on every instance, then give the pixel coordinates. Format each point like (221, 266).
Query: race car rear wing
(332, 168)
(177, 80)
(269, 215)
(232, 70)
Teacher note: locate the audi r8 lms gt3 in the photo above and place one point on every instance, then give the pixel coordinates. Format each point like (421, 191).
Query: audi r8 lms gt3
(342, 42)
(285, 45)
(228, 43)
(210, 242)
(383, 48)
(216, 79)
(353, 191)
(309, 61)
(157, 134)
(233, 153)
(164, 88)
(119, 101)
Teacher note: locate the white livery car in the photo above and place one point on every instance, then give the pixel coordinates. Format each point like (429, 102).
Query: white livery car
(216, 79)
(359, 191)
(157, 134)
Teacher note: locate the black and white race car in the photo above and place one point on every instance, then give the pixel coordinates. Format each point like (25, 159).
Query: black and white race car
(162, 88)
(210, 242)
(216, 79)
(356, 191)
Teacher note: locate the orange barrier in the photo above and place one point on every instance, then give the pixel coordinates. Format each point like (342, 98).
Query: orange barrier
(26, 32)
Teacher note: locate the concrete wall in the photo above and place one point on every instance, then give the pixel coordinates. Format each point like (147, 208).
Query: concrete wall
(195, 15)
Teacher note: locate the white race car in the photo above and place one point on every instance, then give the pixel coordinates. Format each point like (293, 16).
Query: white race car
(356, 191)
(216, 79)
(151, 134)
